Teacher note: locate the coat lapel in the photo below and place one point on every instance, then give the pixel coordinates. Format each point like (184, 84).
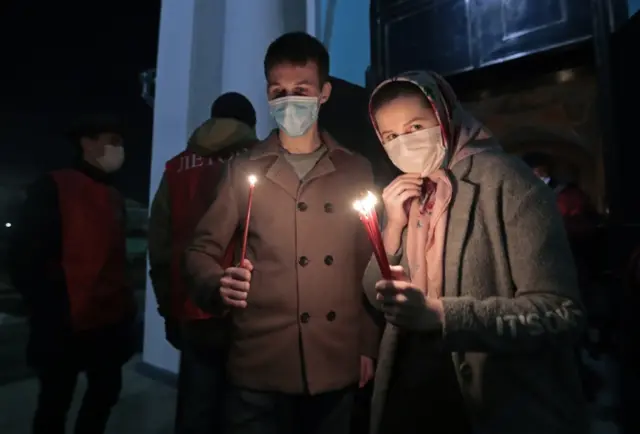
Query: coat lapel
(326, 164)
(323, 167)
(279, 171)
(460, 217)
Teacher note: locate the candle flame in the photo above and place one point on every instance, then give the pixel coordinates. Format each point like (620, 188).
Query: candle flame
(252, 180)
(366, 204)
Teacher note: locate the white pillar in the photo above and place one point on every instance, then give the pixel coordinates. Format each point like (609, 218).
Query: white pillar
(207, 47)
(188, 79)
(258, 22)
(314, 18)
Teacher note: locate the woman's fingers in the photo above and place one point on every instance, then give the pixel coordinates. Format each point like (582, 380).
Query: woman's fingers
(407, 194)
(397, 186)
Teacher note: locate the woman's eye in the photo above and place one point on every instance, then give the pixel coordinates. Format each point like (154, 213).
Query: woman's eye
(416, 127)
(390, 137)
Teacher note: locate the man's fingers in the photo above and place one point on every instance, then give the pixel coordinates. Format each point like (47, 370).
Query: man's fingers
(235, 303)
(247, 265)
(237, 273)
(236, 285)
(233, 294)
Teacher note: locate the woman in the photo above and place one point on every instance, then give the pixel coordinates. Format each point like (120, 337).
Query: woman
(484, 309)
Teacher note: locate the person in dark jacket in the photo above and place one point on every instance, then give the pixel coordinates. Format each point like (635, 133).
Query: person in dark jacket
(581, 223)
(68, 260)
(185, 193)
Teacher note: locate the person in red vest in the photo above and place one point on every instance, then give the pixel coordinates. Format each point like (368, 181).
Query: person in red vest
(68, 259)
(185, 193)
(573, 203)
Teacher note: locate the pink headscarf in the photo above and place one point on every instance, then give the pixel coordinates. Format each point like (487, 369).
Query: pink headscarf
(429, 215)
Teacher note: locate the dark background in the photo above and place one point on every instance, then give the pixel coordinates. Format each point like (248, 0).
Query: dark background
(63, 58)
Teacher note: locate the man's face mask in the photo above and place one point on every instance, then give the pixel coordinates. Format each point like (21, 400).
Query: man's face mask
(421, 152)
(112, 159)
(295, 114)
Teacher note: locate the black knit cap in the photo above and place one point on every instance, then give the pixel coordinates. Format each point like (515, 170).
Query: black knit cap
(90, 125)
(235, 106)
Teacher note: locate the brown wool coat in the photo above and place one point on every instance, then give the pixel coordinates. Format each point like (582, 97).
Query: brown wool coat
(511, 301)
(305, 313)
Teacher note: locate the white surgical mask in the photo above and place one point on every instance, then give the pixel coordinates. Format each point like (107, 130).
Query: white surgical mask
(420, 152)
(295, 114)
(112, 159)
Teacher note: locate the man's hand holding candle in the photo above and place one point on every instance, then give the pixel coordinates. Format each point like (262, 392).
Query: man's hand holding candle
(408, 307)
(235, 284)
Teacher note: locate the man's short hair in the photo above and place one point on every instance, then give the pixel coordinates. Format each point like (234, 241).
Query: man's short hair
(236, 106)
(298, 48)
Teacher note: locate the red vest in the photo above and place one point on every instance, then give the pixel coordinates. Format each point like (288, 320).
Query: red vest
(192, 182)
(93, 251)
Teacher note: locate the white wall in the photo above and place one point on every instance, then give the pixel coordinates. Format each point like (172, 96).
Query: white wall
(183, 62)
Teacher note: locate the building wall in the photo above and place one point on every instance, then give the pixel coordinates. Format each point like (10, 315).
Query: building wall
(558, 119)
(347, 38)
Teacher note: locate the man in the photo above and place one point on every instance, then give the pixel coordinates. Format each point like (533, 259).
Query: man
(302, 339)
(68, 261)
(186, 191)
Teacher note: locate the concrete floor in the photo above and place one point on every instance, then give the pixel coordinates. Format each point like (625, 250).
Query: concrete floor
(146, 406)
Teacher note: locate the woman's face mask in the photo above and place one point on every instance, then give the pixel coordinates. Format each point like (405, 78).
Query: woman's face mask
(295, 115)
(411, 134)
(420, 152)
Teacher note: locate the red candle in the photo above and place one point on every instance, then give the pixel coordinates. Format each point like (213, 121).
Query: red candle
(366, 209)
(245, 235)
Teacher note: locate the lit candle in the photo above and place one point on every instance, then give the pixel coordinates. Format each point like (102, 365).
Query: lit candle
(245, 235)
(366, 207)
